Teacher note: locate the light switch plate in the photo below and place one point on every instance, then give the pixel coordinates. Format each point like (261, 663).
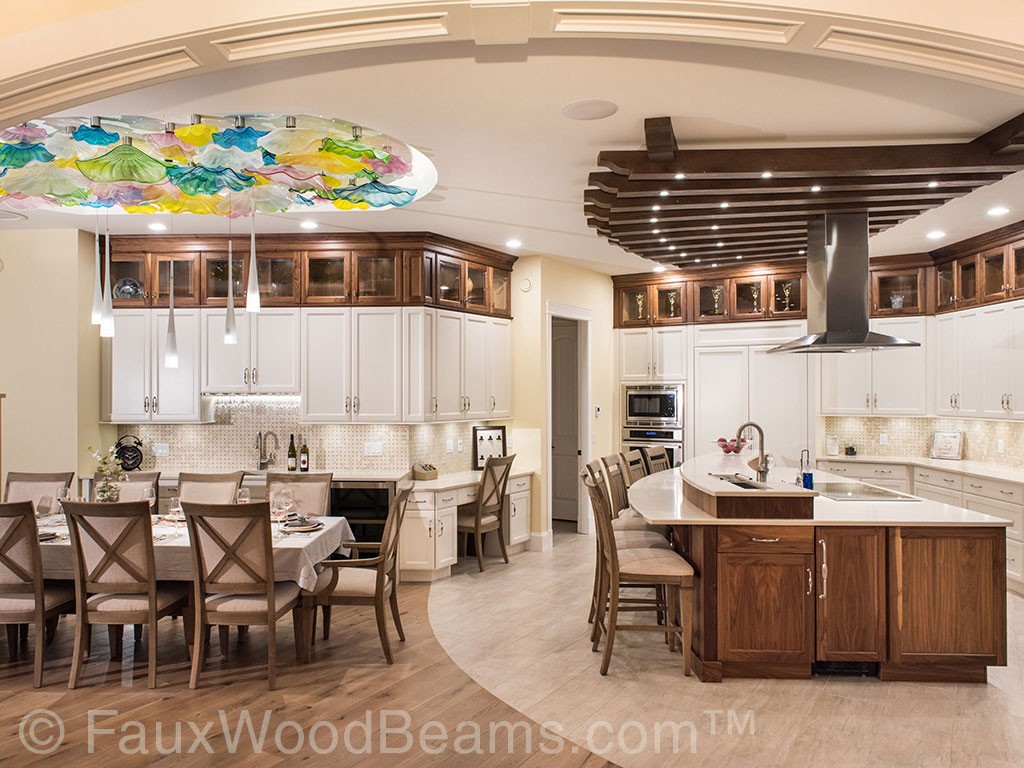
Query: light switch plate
(161, 450)
(460, 446)
(373, 449)
(1000, 446)
(449, 446)
(883, 439)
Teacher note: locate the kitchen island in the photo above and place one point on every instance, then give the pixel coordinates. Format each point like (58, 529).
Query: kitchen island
(905, 589)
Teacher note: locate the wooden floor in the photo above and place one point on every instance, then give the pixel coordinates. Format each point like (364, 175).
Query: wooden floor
(347, 679)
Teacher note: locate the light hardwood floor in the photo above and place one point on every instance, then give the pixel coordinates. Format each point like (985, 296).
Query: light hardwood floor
(347, 678)
(529, 646)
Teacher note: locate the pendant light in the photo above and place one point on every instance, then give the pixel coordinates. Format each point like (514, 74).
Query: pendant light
(107, 314)
(171, 345)
(252, 295)
(97, 288)
(230, 328)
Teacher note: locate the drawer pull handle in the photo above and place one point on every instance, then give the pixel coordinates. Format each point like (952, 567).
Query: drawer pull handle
(1006, 493)
(450, 498)
(923, 474)
(764, 541)
(883, 471)
(947, 480)
(810, 582)
(973, 485)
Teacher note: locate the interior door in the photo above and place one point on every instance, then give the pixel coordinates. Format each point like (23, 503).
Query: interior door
(176, 390)
(778, 402)
(565, 460)
(721, 403)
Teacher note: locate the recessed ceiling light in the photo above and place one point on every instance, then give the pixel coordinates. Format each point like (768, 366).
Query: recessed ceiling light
(683, 255)
(655, 207)
(766, 175)
(714, 227)
(932, 184)
(801, 252)
(672, 248)
(309, 224)
(679, 176)
(663, 240)
(513, 243)
(655, 231)
(719, 244)
(589, 109)
(695, 261)
(664, 193)
(157, 226)
(654, 221)
(714, 264)
(936, 234)
(738, 258)
(999, 210)
(815, 188)
(724, 205)
(659, 268)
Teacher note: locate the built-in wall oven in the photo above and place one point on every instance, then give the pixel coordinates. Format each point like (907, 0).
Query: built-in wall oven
(648, 437)
(652, 405)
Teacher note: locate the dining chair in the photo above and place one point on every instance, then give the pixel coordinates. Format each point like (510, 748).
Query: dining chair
(633, 466)
(657, 458)
(661, 568)
(209, 488)
(24, 597)
(115, 578)
(133, 486)
(484, 514)
(311, 492)
(368, 580)
(233, 562)
(37, 487)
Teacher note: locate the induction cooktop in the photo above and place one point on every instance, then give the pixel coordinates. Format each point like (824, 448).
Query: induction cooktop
(859, 492)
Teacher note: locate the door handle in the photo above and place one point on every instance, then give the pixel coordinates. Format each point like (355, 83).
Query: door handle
(440, 528)
(355, 404)
(245, 375)
(145, 404)
(494, 403)
(155, 408)
(824, 570)
(348, 404)
(810, 582)
(867, 400)
(874, 402)
(254, 377)
(434, 398)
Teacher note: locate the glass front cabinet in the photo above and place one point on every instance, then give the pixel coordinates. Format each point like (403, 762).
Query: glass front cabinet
(325, 278)
(966, 272)
(748, 298)
(131, 284)
(994, 283)
(186, 268)
(711, 301)
(945, 281)
(658, 304)
(787, 296)
(898, 292)
(214, 281)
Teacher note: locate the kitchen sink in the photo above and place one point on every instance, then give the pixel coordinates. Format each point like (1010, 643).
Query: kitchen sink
(742, 481)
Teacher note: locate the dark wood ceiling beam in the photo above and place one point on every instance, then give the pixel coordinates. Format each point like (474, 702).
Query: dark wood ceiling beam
(768, 210)
(703, 226)
(1004, 139)
(793, 245)
(714, 202)
(750, 235)
(660, 139)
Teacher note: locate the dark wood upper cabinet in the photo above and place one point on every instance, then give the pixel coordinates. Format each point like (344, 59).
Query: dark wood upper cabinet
(325, 277)
(1015, 253)
(450, 278)
(995, 278)
(501, 296)
(419, 284)
(634, 306)
(945, 284)
(967, 284)
(131, 282)
(376, 277)
(213, 289)
(748, 298)
(186, 269)
(787, 295)
(711, 301)
(898, 292)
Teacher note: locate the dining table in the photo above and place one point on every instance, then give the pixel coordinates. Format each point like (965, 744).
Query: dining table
(296, 554)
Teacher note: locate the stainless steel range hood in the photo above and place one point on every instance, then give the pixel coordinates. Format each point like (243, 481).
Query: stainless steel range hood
(838, 290)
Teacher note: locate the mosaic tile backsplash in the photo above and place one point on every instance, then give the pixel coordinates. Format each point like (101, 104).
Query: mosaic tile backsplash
(230, 443)
(911, 436)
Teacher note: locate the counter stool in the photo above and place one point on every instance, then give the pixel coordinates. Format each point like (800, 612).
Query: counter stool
(633, 466)
(656, 458)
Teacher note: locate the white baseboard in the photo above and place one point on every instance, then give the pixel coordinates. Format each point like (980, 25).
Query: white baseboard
(541, 542)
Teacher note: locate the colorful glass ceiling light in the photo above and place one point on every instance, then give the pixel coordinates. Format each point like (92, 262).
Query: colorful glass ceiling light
(227, 165)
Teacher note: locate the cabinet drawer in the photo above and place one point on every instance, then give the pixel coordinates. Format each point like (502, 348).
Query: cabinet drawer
(446, 499)
(937, 477)
(766, 538)
(421, 500)
(999, 490)
(866, 471)
(518, 484)
(838, 468)
(1002, 509)
(468, 494)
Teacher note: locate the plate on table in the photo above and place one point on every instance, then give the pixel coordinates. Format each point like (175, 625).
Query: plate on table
(302, 526)
(173, 518)
(47, 536)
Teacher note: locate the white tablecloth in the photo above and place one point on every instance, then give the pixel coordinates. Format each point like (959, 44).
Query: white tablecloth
(295, 554)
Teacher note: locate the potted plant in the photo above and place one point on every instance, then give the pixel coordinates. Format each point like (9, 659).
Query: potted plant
(109, 466)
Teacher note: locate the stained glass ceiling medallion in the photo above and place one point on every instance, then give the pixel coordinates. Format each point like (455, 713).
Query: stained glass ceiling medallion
(226, 165)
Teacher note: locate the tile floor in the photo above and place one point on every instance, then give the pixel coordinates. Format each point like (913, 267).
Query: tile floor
(520, 631)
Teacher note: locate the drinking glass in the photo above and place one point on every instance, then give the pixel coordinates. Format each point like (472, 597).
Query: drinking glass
(244, 495)
(149, 496)
(277, 507)
(174, 507)
(287, 499)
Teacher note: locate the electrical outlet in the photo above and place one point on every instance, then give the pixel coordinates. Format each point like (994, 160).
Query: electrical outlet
(161, 450)
(449, 446)
(597, 411)
(883, 439)
(1000, 446)
(373, 449)
(460, 446)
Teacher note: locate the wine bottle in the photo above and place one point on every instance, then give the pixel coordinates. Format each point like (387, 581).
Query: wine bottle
(292, 455)
(304, 457)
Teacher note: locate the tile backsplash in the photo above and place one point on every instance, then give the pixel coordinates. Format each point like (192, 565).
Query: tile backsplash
(230, 442)
(911, 436)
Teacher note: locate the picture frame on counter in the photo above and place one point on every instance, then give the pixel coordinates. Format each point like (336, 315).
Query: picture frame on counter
(488, 442)
(947, 444)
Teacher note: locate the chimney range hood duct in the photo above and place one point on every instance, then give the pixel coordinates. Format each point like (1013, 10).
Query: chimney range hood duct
(838, 289)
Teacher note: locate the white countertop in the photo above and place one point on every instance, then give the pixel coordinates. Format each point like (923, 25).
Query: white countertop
(443, 482)
(659, 499)
(700, 473)
(461, 479)
(976, 468)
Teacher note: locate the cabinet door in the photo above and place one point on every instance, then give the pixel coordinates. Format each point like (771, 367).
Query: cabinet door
(936, 493)
(225, 367)
(846, 383)
(130, 280)
(947, 595)
(130, 356)
(851, 580)
(275, 351)
(668, 304)
(418, 277)
(477, 286)
(997, 360)
(786, 296)
(449, 281)
(175, 391)
(1015, 362)
(947, 363)
(968, 402)
(446, 538)
(711, 301)
(634, 305)
(501, 295)
(635, 354)
(784, 418)
(994, 281)
(899, 377)
(748, 298)
(721, 394)
(519, 518)
(418, 401)
(416, 541)
(765, 607)
(214, 278)
(377, 364)
(669, 358)
(448, 366)
(186, 278)
(325, 277)
(325, 365)
(967, 287)
(278, 276)
(499, 372)
(376, 277)
(474, 367)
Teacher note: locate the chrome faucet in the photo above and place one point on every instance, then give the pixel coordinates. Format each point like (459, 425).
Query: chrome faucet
(762, 460)
(264, 459)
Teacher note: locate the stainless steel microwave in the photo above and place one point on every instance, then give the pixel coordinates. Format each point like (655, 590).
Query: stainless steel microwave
(652, 405)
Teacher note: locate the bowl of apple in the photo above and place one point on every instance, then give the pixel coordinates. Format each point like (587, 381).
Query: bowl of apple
(731, 445)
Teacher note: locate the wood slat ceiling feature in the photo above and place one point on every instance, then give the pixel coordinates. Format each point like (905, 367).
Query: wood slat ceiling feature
(662, 202)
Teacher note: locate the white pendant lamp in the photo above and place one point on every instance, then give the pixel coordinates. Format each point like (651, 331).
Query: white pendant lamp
(252, 295)
(171, 345)
(97, 288)
(230, 328)
(107, 315)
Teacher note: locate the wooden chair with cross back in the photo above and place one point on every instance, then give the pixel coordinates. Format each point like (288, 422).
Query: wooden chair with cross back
(485, 513)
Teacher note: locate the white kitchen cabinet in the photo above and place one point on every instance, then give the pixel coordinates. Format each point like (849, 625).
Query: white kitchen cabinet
(175, 391)
(935, 493)
(377, 364)
(959, 358)
(721, 394)
(326, 395)
(1001, 368)
(653, 354)
(947, 374)
(1015, 362)
(129, 367)
(448, 366)
(446, 537)
(265, 359)
(519, 518)
(499, 369)
(416, 541)
(778, 402)
(846, 383)
(474, 367)
(418, 400)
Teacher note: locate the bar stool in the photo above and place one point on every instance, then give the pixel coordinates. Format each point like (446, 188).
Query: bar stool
(657, 459)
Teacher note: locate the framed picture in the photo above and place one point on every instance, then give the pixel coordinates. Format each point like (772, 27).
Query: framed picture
(487, 442)
(947, 445)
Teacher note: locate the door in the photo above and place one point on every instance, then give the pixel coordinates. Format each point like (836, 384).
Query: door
(899, 380)
(966, 270)
(175, 391)
(376, 277)
(846, 383)
(748, 298)
(225, 367)
(635, 354)
(778, 402)
(377, 364)
(499, 374)
(416, 541)
(130, 355)
(186, 278)
(274, 335)
(968, 401)
(947, 364)
(994, 283)
(519, 518)
(446, 538)
(325, 365)
(325, 278)
(565, 410)
(474, 366)
(997, 360)
(418, 401)
(1016, 360)
(851, 600)
(721, 402)
(448, 366)
(669, 358)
